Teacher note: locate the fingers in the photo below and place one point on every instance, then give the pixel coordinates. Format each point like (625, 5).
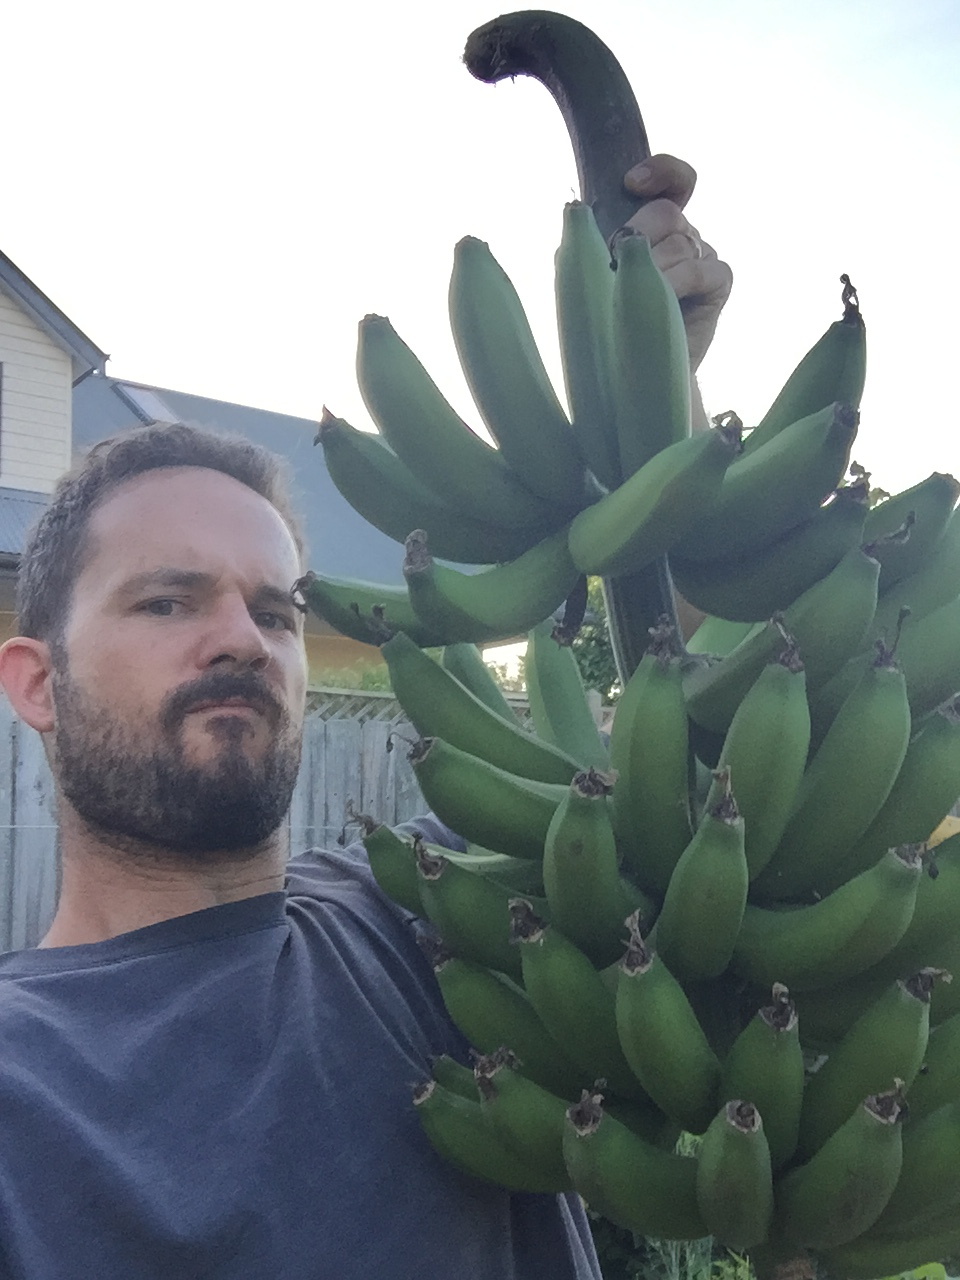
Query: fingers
(660, 220)
(662, 176)
(706, 279)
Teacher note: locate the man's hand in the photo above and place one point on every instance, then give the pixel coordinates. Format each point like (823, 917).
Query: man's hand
(701, 281)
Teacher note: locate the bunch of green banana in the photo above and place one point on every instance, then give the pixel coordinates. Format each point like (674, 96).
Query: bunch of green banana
(725, 921)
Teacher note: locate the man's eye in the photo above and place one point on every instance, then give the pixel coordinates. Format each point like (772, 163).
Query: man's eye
(275, 621)
(162, 607)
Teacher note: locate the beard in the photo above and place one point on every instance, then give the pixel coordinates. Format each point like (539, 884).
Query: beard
(148, 798)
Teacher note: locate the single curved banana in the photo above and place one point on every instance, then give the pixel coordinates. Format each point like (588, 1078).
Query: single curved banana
(589, 900)
(458, 1131)
(526, 1116)
(650, 752)
(365, 611)
(498, 603)
(430, 437)
(931, 585)
(925, 509)
(395, 500)
(751, 587)
(506, 376)
(482, 803)
(629, 528)
(929, 1183)
(572, 999)
(558, 702)
(719, 635)
(453, 1075)
(465, 663)
(470, 912)
(651, 374)
(926, 788)
(439, 706)
(841, 1192)
(834, 369)
(833, 809)
(828, 623)
(887, 1042)
(492, 1011)
(771, 490)
(938, 1085)
(663, 1040)
(839, 937)
(630, 1181)
(584, 294)
(765, 1063)
(765, 750)
(394, 865)
(734, 1178)
(703, 906)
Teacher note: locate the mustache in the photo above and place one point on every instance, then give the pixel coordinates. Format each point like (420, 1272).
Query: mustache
(216, 686)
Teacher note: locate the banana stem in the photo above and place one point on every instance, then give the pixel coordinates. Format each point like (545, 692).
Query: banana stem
(634, 604)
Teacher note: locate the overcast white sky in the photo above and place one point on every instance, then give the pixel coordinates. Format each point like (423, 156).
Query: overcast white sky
(217, 193)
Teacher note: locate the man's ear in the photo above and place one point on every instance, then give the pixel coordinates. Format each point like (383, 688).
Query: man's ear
(25, 676)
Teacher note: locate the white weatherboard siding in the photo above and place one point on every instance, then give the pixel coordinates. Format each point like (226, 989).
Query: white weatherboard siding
(35, 402)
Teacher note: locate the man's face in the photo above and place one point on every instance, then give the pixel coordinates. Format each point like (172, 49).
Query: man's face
(179, 694)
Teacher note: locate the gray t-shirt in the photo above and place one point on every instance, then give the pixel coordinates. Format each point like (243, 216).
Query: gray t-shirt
(227, 1096)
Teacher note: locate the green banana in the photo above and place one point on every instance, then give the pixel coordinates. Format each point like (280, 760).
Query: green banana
(572, 999)
(482, 803)
(465, 663)
(509, 384)
(833, 809)
(734, 1178)
(755, 585)
(765, 1063)
(834, 369)
(428, 435)
(522, 875)
(720, 635)
(925, 510)
(584, 294)
(929, 654)
(769, 491)
(528, 1118)
(458, 1131)
(704, 903)
(933, 584)
(628, 1180)
(926, 788)
(394, 866)
(629, 528)
(662, 1040)
(469, 911)
(765, 750)
(841, 1192)
(874, 1256)
(558, 702)
(491, 1011)
(439, 706)
(453, 1075)
(651, 369)
(828, 623)
(364, 611)
(394, 500)
(938, 1083)
(649, 750)
(581, 875)
(886, 1042)
(839, 937)
(929, 1184)
(497, 604)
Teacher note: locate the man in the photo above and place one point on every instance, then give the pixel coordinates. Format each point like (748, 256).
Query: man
(206, 1066)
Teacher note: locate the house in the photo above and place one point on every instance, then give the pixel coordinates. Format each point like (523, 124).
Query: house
(56, 400)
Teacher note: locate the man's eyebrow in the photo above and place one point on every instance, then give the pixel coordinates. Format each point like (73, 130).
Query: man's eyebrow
(190, 579)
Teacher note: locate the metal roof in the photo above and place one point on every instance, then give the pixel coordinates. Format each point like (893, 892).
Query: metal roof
(20, 509)
(340, 542)
(86, 357)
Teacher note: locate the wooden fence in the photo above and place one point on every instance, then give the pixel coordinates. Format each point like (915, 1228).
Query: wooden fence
(345, 768)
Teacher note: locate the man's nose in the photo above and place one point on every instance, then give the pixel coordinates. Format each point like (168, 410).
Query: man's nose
(235, 637)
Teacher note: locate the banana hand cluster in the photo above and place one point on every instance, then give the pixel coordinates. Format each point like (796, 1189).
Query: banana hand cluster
(666, 933)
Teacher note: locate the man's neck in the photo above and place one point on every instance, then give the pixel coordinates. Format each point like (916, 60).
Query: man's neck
(106, 891)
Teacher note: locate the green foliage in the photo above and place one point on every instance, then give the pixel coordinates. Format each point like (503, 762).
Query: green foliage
(593, 650)
(362, 675)
(625, 1256)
